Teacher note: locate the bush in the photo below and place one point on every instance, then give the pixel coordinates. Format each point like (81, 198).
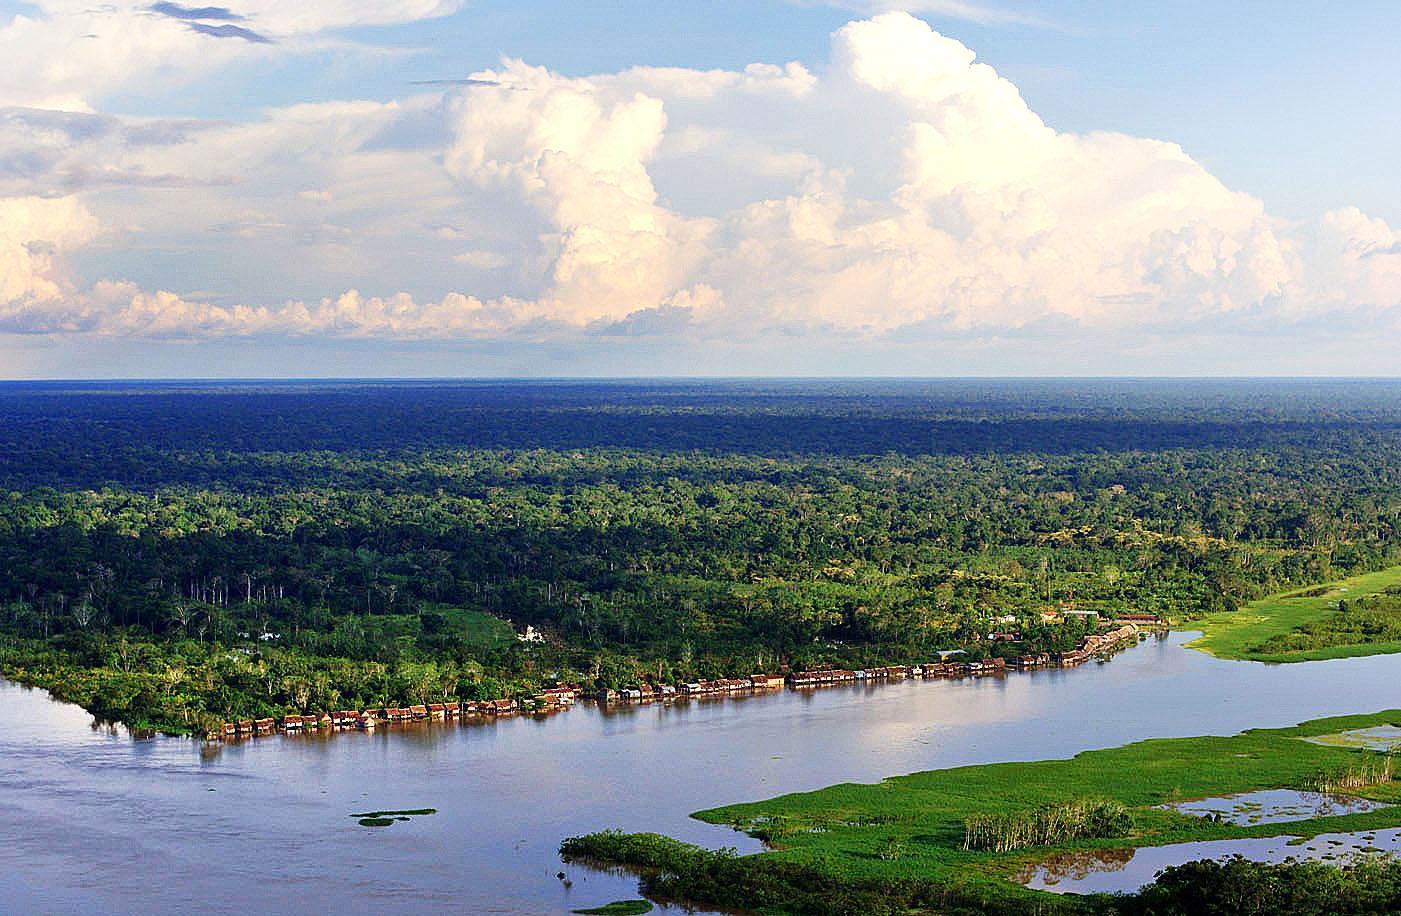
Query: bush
(1047, 825)
(1239, 887)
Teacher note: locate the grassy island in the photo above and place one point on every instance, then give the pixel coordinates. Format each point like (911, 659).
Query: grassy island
(902, 844)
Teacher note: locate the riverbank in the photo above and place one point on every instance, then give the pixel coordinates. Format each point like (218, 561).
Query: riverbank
(81, 688)
(508, 790)
(903, 840)
(1243, 634)
(1102, 645)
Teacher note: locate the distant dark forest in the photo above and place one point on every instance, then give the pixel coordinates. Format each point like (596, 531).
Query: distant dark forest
(151, 434)
(172, 552)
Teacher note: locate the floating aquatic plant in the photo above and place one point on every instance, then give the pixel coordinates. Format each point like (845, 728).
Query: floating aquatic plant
(387, 818)
(620, 908)
(410, 812)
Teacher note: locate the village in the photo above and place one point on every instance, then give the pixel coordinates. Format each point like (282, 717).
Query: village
(1123, 632)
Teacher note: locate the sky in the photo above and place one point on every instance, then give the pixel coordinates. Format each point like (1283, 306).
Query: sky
(266, 188)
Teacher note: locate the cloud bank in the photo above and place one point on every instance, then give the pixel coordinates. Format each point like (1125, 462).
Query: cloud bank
(899, 190)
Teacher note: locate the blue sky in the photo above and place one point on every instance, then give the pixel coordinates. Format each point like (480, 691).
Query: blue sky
(1286, 100)
(836, 217)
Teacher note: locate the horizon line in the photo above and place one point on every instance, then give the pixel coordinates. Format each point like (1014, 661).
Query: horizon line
(430, 379)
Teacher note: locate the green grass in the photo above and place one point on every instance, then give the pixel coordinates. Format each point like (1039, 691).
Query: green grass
(474, 628)
(1240, 634)
(849, 831)
(620, 908)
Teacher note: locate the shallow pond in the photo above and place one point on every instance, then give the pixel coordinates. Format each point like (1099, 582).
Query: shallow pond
(1112, 871)
(1377, 738)
(107, 824)
(1274, 806)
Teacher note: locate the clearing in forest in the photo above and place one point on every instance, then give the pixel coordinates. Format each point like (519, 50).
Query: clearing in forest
(1259, 631)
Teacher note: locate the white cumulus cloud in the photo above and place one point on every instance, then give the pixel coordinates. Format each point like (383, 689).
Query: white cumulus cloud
(35, 234)
(901, 188)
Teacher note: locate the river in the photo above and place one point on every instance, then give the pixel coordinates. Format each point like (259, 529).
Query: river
(95, 821)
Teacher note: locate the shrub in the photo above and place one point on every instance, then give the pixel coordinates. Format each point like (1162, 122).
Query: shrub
(1047, 825)
(1373, 771)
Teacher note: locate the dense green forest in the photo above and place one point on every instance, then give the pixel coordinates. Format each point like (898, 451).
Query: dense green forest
(176, 554)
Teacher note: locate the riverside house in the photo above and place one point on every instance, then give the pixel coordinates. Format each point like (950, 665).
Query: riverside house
(556, 697)
(1098, 644)
(560, 696)
(820, 677)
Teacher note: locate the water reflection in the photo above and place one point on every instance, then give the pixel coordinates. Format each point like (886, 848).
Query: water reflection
(1378, 738)
(1073, 866)
(118, 825)
(1274, 806)
(1126, 870)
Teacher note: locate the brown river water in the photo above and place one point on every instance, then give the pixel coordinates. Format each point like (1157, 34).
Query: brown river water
(95, 821)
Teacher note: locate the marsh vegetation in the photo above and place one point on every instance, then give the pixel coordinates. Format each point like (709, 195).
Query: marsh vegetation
(1047, 825)
(966, 834)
